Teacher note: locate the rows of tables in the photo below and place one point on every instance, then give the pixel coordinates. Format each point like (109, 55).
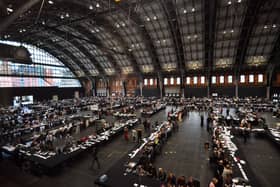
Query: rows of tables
(153, 110)
(51, 159)
(123, 172)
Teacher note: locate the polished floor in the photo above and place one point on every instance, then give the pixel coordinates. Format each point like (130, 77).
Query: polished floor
(183, 155)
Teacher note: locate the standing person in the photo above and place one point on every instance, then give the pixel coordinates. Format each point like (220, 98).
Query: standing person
(126, 134)
(94, 158)
(139, 135)
(213, 182)
(201, 120)
(227, 111)
(134, 135)
(208, 123)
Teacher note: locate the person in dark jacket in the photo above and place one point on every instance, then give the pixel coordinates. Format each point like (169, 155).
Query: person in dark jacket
(201, 120)
(94, 158)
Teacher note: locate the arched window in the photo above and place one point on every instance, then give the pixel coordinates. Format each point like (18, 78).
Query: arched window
(45, 71)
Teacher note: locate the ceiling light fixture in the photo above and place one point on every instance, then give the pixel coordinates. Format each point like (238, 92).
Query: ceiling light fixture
(148, 19)
(61, 17)
(232, 31)
(97, 5)
(265, 27)
(185, 11)
(239, 1)
(50, 2)
(274, 26)
(9, 9)
(90, 7)
(155, 18)
(193, 9)
(67, 15)
(229, 3)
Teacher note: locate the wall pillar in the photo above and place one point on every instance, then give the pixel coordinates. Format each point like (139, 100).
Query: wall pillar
(268, 92)
(236, 87)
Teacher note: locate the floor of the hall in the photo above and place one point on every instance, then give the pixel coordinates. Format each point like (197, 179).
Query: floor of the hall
(183, 154)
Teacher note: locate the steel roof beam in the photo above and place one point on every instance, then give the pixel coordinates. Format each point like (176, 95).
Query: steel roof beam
(171, 16)
(121, 41)
(250, 20)
(96, 41)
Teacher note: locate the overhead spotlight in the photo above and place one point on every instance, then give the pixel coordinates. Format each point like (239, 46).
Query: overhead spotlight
(189, 37)
(50, 2)
(265, 27)
(61, 17)
(117, 1)
(155, 18)
(232, 31)
(195, 36)
(9, 9)
(123, 24)
(90, 7)
(117, 25)
(185, 11)
(224, 32)
(229, 3)
(97, 5)
(67, 15)
(148, 19)
(239, 1)
(193, 9)
(274, 25)
(43, 23)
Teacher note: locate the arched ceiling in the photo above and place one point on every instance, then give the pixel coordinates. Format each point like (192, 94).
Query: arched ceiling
(105, 38)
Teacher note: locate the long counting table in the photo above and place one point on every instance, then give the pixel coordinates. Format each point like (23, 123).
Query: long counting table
(50, 160)
(121, 175)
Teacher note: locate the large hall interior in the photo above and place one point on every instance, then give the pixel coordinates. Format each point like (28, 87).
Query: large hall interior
(139, 93)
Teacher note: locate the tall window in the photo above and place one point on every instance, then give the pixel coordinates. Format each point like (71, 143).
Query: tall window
(171, 80)
(213, 79)
(178, 81)
(251, 78)
(230, 79)
(188, 80)
(222, 79)
(202, 80)
(195, 80)
(242, 78)
(145, 82)
(165, 81)
(260, 78)
(151, 82)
